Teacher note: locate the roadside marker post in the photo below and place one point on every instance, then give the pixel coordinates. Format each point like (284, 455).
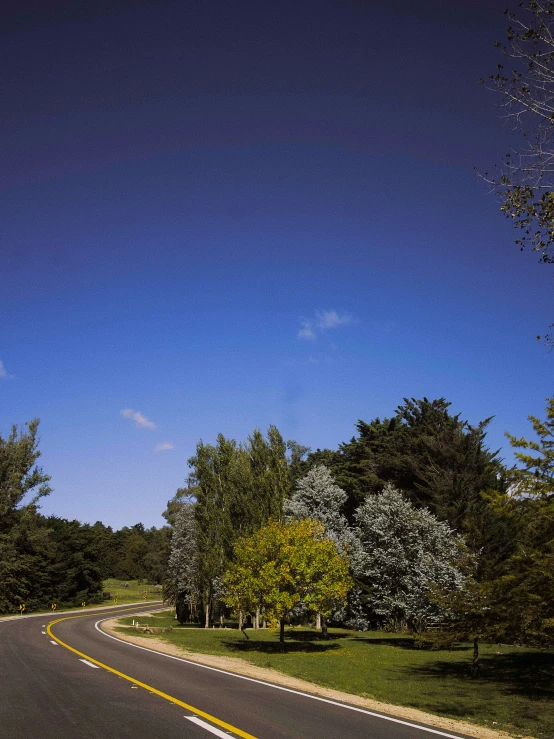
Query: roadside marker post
(54, 606)
(21, 608)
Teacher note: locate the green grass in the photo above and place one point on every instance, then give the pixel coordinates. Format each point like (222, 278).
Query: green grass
(515, 690)
(130, 591)
(133, 593)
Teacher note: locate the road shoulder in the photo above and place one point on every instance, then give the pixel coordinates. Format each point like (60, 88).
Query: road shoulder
(241, 667)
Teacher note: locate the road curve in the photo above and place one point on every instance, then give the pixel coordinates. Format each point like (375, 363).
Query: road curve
(65, 679)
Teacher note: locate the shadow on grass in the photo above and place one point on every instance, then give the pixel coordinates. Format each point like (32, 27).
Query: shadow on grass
(404, 642)
(311, 636)
(293, 645)
(526, 674)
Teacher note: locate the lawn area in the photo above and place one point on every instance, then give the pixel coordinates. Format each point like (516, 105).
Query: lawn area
(130, 591)
(516, 689)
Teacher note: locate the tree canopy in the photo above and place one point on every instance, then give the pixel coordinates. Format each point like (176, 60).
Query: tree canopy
(283, 565)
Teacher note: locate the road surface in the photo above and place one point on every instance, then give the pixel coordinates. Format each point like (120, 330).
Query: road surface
(62, 678)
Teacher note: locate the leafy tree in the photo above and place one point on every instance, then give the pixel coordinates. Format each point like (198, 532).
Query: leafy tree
(283, 565)
(522, 590)
(525, 181)
(536, 478)
(75, 567)
(211, 475)
(317, 497)
(18, 473)
(403, 553)
(437, 459)
(238, 488)
(183, 566)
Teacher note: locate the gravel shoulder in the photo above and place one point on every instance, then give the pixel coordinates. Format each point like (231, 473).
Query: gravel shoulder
(242, 667)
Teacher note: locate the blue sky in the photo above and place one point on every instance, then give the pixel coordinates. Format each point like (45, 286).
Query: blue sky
(221, 216)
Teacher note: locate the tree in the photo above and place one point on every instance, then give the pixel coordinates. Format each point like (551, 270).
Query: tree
(238, 488)
(19, 475)
(525, 181)
(439, 460)
(283, 565)
(536, 478)
(317, 497)
(183, 566)
(25, 548)
(403, 553)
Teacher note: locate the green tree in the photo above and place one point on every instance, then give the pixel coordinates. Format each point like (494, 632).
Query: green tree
(19, 475)
(536, 477)
(237, 487)
(437, 459)
(284, 565)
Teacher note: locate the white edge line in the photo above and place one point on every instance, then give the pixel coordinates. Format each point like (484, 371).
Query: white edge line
(208, 727)
(281, 687)
(86, 662)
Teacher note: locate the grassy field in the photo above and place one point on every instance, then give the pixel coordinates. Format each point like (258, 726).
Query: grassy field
(130, 591)
(515, 691)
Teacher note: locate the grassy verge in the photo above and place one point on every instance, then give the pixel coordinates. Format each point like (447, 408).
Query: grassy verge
(515, 692)
(130, 591)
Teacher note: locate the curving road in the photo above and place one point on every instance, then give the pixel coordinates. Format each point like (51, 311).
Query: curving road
(64, 678)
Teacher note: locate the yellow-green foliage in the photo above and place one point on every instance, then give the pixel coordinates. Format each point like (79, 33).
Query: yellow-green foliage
(284, 564)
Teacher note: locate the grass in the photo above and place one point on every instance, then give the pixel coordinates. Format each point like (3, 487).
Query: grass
(130, 591)
(133, 592)
(515, 692)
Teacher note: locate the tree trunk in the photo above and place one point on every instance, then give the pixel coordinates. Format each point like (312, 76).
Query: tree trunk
(324, 632)
(475, 665)
(318, 620)
(221, 620)
(282, 635)
(207, 622)
(257, 619)
(240, 620)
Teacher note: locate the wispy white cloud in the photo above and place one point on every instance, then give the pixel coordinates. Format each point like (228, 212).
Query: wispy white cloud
(324, 320)
(164, 446)
(306, 330)
(4, 372)
(138, 418)
(331, 319)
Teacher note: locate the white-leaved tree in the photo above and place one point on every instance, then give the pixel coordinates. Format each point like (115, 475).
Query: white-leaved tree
(319, 498)
(403, 553)
(183, 570)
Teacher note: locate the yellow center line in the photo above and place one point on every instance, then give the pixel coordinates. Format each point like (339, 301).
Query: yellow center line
(140, 684)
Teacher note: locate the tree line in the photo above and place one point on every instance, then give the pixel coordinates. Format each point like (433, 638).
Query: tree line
(414, 523)
(48, 559)
(437, 535)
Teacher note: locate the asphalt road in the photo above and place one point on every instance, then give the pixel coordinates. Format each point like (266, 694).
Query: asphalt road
(48, 691)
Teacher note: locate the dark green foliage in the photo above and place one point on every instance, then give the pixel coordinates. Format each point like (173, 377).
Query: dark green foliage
(53, 560)
(19, 475)
(437, 459)
(237, 488)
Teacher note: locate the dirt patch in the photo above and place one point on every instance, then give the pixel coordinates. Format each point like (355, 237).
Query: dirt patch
(241, 667)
